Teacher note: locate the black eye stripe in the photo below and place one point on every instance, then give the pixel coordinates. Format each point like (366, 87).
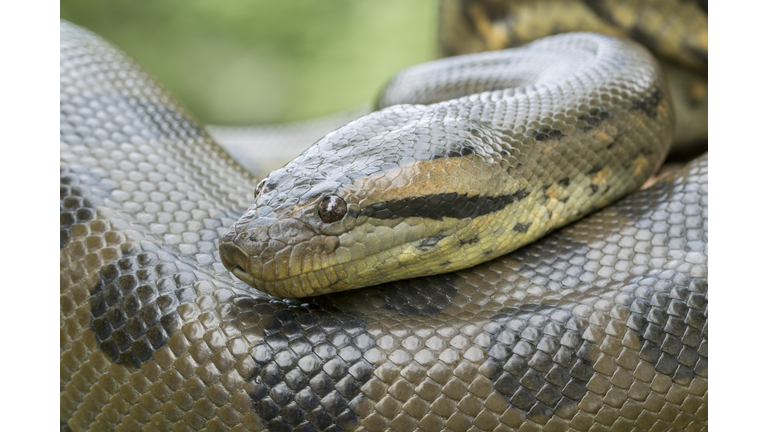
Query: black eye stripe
(438, 206)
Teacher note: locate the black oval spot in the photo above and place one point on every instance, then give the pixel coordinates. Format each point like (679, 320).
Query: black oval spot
(332, 209)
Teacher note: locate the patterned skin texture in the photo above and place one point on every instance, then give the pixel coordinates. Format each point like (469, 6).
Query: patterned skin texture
(582, 120)
(674, 30)
(602, 324)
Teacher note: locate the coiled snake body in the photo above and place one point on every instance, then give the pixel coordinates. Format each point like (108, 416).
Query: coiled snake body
(601, 324)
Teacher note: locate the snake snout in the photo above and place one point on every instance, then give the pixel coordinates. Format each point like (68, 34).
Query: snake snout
(265, 253)
(234, 258)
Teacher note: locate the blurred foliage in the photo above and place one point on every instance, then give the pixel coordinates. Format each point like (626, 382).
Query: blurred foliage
(266, 61)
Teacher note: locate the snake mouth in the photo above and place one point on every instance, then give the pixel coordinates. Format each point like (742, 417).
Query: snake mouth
(315, 282)
(322, 280)
(309, 269)
(241, 273)
(235, 260)
(351, 273)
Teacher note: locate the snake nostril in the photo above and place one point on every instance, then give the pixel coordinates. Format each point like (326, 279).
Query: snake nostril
(232, 257)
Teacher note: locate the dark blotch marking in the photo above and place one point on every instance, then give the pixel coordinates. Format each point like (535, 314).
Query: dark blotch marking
(593, 118)
(292, 414)
(487, 252)
(439, 206)
(594, 170)
(465, 151)
(534, 380)
(575, 390)
(521, 228)
(116, 317)
(456, 150)
(97, 304)
(431, 241)
(66, 220)
(541, 413)
(546, 132)
(118, 312)
(420, 297)
(131, 321)
(470, 241)
(565, 181)
(523, 398)
(122, 339)
(84, 215)
(310, 364)
(655, 300)
(101, 327)
(649, 104)
(593, 187)
(77, 188)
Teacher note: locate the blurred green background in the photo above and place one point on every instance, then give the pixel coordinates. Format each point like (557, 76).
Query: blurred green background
(240, 62)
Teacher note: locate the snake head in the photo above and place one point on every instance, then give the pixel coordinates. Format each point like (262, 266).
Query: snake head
(371, 202)
(283, 242)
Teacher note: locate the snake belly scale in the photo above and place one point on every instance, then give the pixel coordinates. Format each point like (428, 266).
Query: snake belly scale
(602, 324)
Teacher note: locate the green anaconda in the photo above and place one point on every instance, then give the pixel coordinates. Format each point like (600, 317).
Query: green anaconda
(601, 324)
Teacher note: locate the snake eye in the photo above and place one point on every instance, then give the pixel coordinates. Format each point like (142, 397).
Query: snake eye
(332, 209)
(259, 187)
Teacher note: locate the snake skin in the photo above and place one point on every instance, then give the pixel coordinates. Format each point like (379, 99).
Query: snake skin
(600, 325)
(265, 148)
(675, 30)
